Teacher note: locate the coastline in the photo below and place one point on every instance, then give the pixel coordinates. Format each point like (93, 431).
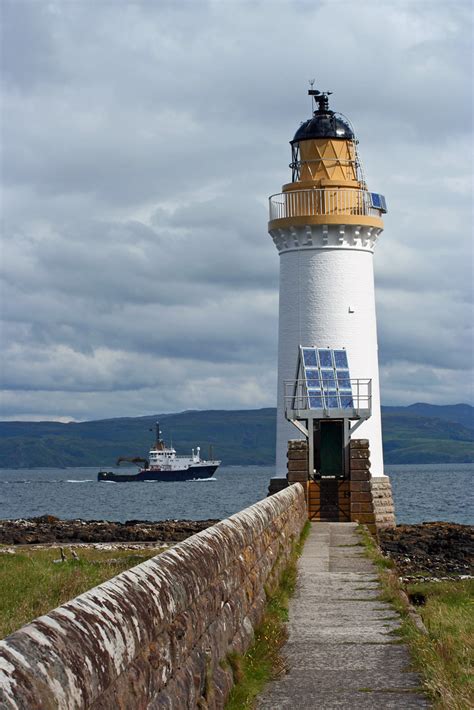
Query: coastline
(48, 529)
(428, 550)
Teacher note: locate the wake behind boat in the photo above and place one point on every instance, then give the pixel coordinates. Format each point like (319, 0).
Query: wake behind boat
(164, 464)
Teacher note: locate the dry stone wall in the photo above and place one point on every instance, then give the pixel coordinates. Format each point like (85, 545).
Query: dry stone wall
(157, 636)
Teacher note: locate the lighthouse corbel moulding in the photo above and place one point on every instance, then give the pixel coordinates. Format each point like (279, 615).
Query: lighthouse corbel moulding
(325, 224)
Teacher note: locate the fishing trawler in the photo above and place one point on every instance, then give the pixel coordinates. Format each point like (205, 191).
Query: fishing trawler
(164, 464)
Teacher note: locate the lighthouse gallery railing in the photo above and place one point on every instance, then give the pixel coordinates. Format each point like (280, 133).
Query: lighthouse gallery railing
(329, 201)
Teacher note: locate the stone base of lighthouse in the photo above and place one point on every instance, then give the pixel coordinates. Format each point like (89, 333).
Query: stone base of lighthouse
(356, 498)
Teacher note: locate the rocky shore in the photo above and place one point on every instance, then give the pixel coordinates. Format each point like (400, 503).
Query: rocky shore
(48, 529)
(430, 550)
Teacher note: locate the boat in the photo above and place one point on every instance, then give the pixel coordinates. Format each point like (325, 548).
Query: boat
(164, 464)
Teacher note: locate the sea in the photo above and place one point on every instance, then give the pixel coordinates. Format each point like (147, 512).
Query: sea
(421, 493)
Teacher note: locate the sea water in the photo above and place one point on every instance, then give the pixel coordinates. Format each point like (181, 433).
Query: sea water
(421, 493)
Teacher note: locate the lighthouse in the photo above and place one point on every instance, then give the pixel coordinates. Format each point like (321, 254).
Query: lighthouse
(325, 224)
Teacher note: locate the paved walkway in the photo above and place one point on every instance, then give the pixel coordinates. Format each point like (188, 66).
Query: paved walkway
(341, 651)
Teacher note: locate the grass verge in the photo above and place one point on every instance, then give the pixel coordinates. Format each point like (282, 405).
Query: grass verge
(444, 656)
(31, 584)
(263, 661)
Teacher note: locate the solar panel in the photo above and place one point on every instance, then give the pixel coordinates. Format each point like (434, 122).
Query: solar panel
(312, 377)
(327, 378)
(375, 197)
(343, 380)
(346, 401)
(310, 359)
(378, 201)
(315, 399)
(325, 358)
(340, 359)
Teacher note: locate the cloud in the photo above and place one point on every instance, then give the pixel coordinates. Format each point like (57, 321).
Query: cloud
(140, 146)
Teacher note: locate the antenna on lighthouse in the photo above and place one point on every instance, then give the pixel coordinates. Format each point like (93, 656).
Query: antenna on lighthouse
(311, 83)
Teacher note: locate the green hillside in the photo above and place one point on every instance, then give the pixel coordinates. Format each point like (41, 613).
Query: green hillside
(238, 437)
(460, 413)
(420, 433)
(409, 438)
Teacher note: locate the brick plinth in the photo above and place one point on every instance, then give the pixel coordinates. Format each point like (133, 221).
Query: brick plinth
(298, 468)
(362, 510)
(371, 498)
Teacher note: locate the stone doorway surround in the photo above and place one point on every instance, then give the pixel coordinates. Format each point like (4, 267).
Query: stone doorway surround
(360, 498)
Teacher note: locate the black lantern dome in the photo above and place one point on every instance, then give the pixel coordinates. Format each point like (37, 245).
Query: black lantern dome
(324, 123)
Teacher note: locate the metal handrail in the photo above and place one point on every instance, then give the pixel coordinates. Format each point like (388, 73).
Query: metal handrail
(298, 397)
(328, 201)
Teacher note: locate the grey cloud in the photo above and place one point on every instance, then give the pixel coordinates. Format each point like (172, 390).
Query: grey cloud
(141, 144)
(28, 53)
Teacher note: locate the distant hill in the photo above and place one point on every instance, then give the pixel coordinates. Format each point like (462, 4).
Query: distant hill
(428, 433)
(460, 413)
(420, 433)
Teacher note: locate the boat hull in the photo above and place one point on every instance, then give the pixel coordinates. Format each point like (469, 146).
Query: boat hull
(193, 473)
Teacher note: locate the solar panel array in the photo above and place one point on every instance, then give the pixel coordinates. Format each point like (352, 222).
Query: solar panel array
(328, 382)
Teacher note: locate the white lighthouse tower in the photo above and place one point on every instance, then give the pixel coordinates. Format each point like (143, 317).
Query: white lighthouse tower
(325, 224)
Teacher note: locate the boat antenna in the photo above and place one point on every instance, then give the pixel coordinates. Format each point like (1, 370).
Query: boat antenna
(158, 432)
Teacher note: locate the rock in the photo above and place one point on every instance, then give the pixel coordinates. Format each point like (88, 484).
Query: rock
(49, 529)
(437, 549)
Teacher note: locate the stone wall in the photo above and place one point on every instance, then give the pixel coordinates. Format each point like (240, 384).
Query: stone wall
(384, 509)
(158, 635)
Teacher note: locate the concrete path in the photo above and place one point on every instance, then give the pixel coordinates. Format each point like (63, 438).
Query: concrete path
(341, 651)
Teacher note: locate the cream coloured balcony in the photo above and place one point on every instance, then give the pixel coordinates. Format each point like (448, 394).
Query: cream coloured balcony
(326, 203)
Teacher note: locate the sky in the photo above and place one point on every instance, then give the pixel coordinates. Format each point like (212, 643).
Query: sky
(140, 143)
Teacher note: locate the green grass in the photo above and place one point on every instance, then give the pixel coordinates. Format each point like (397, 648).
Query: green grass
(444, 656)
(263, 661)
(31, 584)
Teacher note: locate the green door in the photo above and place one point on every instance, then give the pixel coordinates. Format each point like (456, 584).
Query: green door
(332, 448)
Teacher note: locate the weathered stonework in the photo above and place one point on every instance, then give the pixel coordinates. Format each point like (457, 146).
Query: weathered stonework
(384, 508)
(157, 636)
(371, 498)
(362, 508)
(360, 499)
(297, 454)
